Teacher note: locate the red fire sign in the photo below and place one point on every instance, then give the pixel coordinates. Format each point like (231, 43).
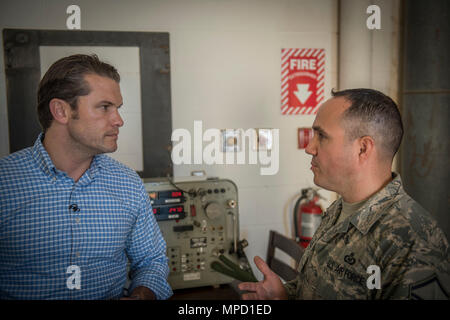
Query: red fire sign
(302, 80)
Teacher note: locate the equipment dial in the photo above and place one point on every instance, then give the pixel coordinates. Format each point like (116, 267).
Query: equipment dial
(213, 210)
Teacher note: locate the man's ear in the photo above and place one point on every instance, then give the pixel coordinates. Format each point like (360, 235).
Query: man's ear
(60, 110)
(366, 147)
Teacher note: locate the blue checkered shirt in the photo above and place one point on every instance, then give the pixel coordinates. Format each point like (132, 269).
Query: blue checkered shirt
(49, 223)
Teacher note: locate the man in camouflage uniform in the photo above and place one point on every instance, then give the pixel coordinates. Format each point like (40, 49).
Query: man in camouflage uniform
(375, 241)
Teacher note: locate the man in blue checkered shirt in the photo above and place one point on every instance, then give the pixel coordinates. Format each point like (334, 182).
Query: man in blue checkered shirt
(70, 216)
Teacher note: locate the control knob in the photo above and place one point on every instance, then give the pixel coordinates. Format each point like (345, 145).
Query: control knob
(213, 210)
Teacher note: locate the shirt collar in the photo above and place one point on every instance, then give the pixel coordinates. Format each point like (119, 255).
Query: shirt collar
(376, 206)
(373, 209)
(45, 163)
(42, 158)
(98, 162)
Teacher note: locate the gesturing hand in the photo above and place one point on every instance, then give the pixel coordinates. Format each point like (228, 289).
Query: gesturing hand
(271, 288)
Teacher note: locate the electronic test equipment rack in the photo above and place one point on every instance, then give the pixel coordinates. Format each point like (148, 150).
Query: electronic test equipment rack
(199, 220)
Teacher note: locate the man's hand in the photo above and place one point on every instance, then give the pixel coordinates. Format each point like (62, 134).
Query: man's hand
(141, 293)
(271, 288)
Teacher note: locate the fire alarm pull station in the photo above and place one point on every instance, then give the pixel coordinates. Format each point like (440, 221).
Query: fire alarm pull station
(305, 135)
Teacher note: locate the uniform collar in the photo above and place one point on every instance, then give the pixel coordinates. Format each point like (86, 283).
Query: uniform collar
(373, 209)
(376, 206)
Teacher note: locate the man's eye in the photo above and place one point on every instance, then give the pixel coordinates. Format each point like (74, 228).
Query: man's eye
(105, 107)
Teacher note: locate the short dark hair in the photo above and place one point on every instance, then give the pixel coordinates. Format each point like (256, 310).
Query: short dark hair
(374, 114)
(65, 80)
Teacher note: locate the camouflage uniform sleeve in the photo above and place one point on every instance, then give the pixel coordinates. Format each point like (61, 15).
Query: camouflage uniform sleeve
(291, 289)
(416, 273)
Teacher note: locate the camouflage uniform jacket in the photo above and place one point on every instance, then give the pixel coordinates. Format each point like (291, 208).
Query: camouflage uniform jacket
(392, 232)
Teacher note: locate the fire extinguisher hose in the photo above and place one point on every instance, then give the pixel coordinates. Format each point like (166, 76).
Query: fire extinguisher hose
(297, 205)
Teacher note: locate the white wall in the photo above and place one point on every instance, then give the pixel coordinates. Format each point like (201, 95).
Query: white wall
(225, 71)
(370, 58)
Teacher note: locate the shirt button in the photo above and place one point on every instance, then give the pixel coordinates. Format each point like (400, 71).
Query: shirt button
(77, 220)
(77, 254)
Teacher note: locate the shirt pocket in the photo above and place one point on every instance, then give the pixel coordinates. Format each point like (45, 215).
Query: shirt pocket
(326, 291)
(351, 276)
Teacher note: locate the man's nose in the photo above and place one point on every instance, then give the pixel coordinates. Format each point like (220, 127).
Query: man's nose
(117, 119)
(311, 147)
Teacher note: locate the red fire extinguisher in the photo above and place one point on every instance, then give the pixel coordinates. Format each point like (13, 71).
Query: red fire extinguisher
(307, 216)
